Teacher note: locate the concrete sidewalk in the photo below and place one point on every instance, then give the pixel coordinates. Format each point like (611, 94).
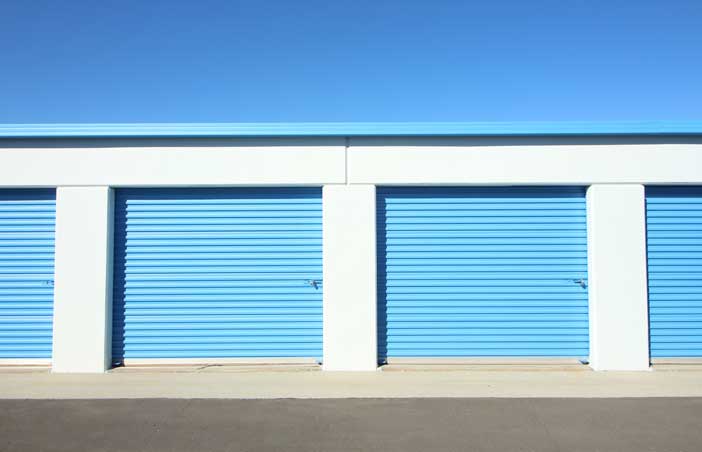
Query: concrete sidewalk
(306, 382)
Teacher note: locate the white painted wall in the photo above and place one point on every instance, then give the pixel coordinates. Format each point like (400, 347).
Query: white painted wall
(526, 164)
(375, 161)
(617, 277)
(83, 279)
(350, 329)
(238, 162)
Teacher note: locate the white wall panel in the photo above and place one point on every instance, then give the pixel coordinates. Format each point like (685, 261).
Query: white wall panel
(242, 163)
(527, 164)
(617, 277)
(83, 287)
(350, 333)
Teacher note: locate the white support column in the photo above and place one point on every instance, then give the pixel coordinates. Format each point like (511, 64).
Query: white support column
(350, 330)
(617, 277)
(83, 279)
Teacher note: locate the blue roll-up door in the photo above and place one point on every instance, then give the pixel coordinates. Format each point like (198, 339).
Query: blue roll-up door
(218, 273)
(674, 236)
(27, 221)
(482, 272)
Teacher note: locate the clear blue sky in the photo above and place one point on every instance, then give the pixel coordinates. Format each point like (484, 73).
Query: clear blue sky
(430, 60)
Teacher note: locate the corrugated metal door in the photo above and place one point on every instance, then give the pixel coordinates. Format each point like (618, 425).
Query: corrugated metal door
(218, 273)
(482, 272)
(674, 235)
(27, 221)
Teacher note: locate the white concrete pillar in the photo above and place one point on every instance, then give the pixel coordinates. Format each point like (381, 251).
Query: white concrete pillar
(617, 277)
(83, 279)
(350, 330)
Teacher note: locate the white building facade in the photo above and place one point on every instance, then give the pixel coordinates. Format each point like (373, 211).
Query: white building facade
(351, 245)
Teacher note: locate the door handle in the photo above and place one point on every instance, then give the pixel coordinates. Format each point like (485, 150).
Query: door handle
(314, 283)
(581, 282)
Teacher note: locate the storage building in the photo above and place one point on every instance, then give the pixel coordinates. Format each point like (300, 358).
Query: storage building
(351, 245)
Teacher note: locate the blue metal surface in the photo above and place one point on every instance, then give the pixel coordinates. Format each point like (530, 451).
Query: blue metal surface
(342, 129)
(27, 222)
(674, 241)
(482, 272)
(217, 273)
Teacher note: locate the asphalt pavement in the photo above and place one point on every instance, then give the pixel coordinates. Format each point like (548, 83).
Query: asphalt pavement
(467, 424)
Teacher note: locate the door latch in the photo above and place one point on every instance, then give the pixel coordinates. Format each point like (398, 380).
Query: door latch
(314, 283)
(581, 282)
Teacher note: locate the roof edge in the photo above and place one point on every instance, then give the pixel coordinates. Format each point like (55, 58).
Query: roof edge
(350, 129)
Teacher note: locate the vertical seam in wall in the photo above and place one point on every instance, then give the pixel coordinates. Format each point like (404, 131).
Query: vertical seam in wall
(591, 275)
(346, 160)
(109, 277)
(643, 212)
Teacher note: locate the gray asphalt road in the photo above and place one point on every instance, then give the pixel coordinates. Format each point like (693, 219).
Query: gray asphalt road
(407, 425)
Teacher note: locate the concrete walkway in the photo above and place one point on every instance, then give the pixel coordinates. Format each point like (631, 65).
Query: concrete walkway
(306, 382)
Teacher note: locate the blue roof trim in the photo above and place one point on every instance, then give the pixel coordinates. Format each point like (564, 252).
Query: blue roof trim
(341, 129)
